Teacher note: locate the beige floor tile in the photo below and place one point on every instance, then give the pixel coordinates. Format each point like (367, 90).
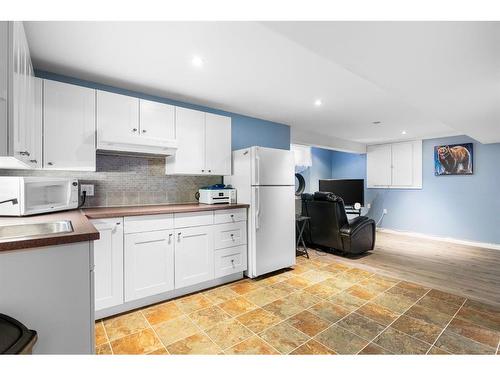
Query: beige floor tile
(341, 341)
(480, 317)
(315, 276)
(124, 325)
(428, 315)
(482, 307)
(323, 289)
(446, 297)
(162, 312)
(303, 299)
(378, 313)
(283, 288)
(474, 332)
(220, 295)
(394, 302)
(417, 328)
(361, 292)
(237, 306)
(411, 289)
(308, 323)
(434, 350)
(258, 320)
(209, 317)
(400, 343)
(284, 337)
(312, 347)
(283, 308)
(161, 351)
(103, 349)
(100, 334)
(438, 305)
(371, 348)
(175, 329)
(192, 303)
(253, 345)
(329, 311)
(263, 296)
(298, 282)
(228, 333)
(199, 343)
(141, 342)
(346, 300)
(457, 344)
(361, 326)
(244, 287)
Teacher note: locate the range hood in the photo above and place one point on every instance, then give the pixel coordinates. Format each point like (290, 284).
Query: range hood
(141, 145)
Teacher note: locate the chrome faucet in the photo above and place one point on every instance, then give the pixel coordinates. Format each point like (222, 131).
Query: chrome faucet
(13, 200)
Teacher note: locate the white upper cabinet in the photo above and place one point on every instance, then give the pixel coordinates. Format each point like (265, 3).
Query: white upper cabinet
(204, 144)
(117, 118)
(17, 98)
(395, 165)
(190, 133)
(157, 120)
(69, 127)
(218, 144)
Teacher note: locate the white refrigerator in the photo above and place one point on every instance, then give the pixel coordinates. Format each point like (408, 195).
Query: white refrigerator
(264, 178)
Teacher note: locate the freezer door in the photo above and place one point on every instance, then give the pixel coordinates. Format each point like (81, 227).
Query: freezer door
(272, 167)
(273, 245)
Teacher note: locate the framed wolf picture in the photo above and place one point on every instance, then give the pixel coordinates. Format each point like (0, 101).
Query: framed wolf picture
(453, 159)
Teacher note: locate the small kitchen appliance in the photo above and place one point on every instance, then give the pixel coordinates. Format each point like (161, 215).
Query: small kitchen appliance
(217, 194)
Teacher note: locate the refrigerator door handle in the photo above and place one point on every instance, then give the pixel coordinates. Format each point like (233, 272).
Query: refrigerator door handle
(257, 169)
(257, 211)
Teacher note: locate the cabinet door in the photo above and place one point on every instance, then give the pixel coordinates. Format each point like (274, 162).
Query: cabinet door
(194, 255)
(149, 264)
(402, 164)
(190, 134)
(218, 144)
(378, 165)
(69, 127)
(117, 118)
(37, 129)
(108, 260)
(157, 120)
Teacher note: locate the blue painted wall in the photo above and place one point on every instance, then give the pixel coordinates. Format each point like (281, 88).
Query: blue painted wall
(462, 207)
(246, 131)
(321, 168)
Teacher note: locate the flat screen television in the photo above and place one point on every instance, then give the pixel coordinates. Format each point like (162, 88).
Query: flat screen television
(351, 191)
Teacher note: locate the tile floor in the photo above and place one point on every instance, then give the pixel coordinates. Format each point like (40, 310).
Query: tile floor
(322, 306)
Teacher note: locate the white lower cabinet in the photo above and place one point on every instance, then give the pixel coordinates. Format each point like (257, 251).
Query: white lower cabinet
(194, 255)
(149, 264)
(108, 260)
(230, 260)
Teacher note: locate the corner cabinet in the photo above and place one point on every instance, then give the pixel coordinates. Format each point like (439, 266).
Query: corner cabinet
(204, 144)
(395, 165)
(69, 127)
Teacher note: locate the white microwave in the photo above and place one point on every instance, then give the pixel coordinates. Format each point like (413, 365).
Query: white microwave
(23, 196)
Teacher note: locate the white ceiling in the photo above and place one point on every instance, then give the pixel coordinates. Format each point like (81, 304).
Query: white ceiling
(427, 79)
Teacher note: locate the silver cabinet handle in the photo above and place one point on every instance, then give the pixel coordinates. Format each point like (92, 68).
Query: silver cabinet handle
(33, 161)
(118, 223)
(203, 170)
(50, 163)
(134, 130)
(232, 236)
(24, 153)
(179, 235)
(144, 130)
(232, 215)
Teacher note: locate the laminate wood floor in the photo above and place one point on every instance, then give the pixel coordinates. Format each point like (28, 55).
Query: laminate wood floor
(472, 272)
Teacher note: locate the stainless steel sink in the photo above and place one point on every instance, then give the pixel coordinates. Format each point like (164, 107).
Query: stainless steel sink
(35, 229)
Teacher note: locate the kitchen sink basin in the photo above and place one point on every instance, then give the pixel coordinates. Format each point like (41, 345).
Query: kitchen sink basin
(35, 229)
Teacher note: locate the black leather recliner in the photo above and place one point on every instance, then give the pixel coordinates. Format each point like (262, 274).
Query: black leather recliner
(330, 228)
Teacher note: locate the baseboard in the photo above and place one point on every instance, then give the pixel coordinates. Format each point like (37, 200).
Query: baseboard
(485, 245)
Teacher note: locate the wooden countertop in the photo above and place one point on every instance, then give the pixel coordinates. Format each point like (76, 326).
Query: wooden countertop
(107, 212)
(83, 230)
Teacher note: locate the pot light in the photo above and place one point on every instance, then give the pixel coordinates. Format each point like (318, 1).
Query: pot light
(318, 102)
(197, 61)
(403, 132)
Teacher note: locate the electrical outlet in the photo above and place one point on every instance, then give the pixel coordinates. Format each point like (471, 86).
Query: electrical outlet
(385, 211)
(89, 189)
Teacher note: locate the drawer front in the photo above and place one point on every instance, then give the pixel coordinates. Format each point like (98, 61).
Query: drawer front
(228, 235)
(148, 223)
(230, 216)
(193, 219)
(230, 260)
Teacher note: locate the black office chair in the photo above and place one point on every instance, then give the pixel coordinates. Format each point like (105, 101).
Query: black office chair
(330, 228)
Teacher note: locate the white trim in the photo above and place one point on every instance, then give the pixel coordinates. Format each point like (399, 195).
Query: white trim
(486, 245)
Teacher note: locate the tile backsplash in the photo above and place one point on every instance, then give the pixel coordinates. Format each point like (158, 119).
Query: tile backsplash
(127, 180)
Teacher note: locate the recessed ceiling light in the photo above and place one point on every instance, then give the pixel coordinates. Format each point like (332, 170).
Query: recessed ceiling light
(403, 132)
(318, 102)
(376, 122)
(197, 61)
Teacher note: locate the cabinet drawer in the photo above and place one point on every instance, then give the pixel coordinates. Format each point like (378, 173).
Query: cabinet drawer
(230, 260)
(228, 235)
(193, 219)
(148, 223)
(230, 216)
